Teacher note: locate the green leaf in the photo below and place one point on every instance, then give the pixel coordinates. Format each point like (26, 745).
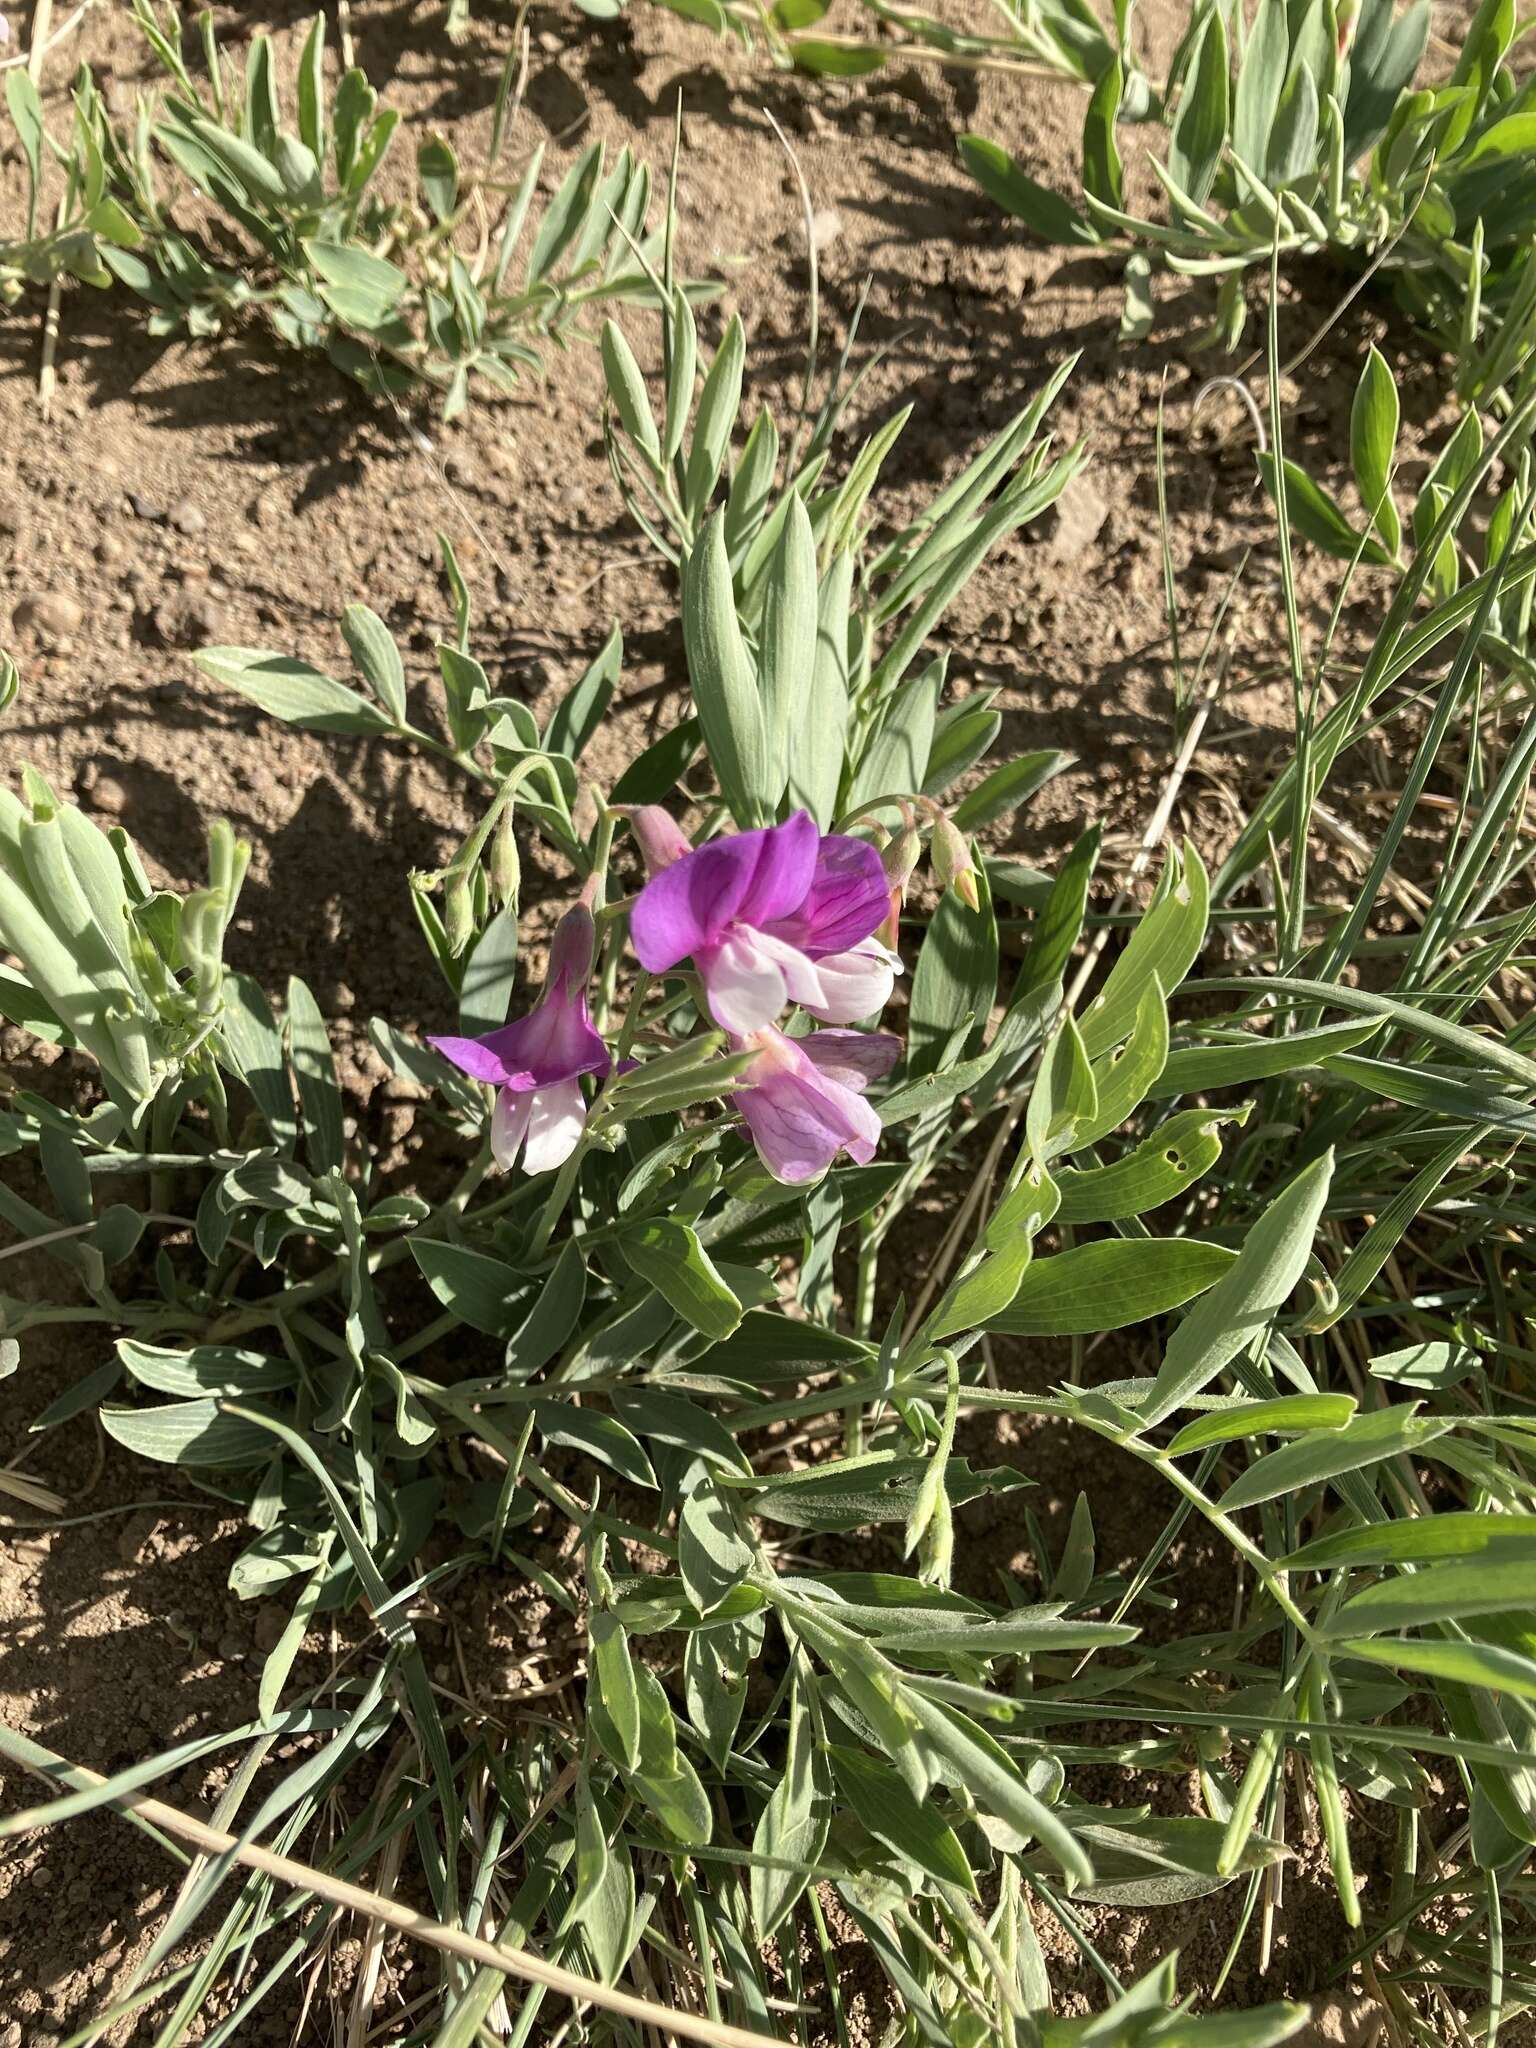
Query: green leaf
(1251, 1418)
(1373, 424)
(712, 1554)
(481, 1291)
(373, 648)
(1102, 178)
(791, 1831)
(669, 1255)
(1107, 1285)
(206, 1369)
(598, 1435)
(566, 214)
(1418, 1539)
(1315, 514)
(713, 423)
(1164, 946)
(188, 1433)
(576, 719)
(1010, 784)
(1126, 1074)
(725, 690)
(1248, 1296)
(1446, 1592)
(437, 170)
(876, 1486)
(618, 1690)
(1320, 1456)
(1043, 211)
(1200, 126)
(360, 288)
(319, 1095)
(834, 60)
(995, 1782)
(787, 649)
(627, 393)
(1176, 1155)
(1481, 1664)
(1260, 78)
(1198, 1069)
(955, 981)
(878, 1795)
(291, 690)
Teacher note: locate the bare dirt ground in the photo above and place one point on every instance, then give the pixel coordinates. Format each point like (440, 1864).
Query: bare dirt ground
(233, 492)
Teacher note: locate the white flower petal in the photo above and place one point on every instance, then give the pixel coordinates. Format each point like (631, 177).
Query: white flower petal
(554, 1125)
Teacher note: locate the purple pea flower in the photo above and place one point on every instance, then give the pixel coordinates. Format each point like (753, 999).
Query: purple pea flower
(536, 1063)
(781, 915)
(803, 1098)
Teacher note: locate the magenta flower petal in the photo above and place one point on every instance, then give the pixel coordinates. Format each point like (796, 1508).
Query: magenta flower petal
(848, 898)
(658, 835)
(800, 1116)
(853, 1058)
(752, 877)
(493, 1059)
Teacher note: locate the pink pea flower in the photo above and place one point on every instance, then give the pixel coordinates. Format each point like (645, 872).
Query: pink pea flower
(536, 1063)
(781, 915)
(803, 1098)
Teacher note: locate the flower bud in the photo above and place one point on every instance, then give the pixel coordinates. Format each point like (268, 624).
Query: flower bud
(458, 912)
(505, 868)
(953, 861)
(899, 856)
(658, 835)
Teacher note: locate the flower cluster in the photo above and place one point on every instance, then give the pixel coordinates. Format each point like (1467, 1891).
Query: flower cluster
(768, 919)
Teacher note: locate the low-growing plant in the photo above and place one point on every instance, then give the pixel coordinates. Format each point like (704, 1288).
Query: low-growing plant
(687, 1372)
(1306, 132)
(86, 216)
(281, 212)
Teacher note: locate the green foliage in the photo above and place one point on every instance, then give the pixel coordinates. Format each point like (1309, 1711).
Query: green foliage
(1302, 130)
(302, 234)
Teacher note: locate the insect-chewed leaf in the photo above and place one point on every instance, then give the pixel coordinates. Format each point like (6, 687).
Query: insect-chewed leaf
(1173, 1158)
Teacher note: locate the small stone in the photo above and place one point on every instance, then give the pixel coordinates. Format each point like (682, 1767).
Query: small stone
(549, 42)
(826, 227)
(231, 1647)
(187, 517)
(110, 549)
(1079, 513)
(51, 612)
(145, 508)
(13, 517)
(42, 1877)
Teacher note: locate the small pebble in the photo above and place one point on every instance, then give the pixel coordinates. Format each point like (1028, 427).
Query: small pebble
(187, 517)
(110, 549)
(52, 611)
(145, 508)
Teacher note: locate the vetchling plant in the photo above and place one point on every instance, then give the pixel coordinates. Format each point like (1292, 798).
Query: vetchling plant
(63, 238)
(659, 1346)
(1302, 132)
(387, 288)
